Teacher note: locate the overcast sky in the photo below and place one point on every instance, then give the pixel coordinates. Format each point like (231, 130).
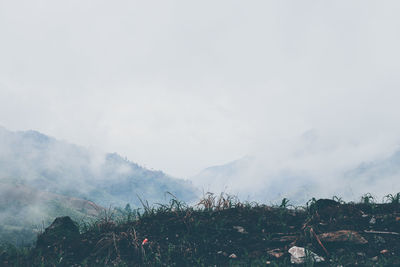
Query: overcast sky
(183, 85)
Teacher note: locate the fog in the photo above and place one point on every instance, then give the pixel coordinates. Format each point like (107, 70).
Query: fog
(46, 164)
(183, 85)
(306, 167)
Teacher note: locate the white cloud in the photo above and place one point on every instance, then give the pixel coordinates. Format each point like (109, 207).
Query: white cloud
(179, 86)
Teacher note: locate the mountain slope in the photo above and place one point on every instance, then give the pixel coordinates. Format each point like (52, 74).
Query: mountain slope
(24, 211)
(247, 178)
(44, 163)
(301, 178)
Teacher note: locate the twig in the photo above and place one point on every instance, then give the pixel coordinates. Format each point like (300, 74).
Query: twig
(115, 244)
(319, 241)
(306, 224)
(380, 232)
(286, 234)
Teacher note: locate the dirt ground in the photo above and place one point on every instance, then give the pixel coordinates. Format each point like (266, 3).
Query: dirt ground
(227, 234)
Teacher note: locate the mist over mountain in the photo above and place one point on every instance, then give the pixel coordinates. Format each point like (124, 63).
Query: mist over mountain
(44, 163)
(42, 178)
(308, 166)
(245, 178)
(25, 211)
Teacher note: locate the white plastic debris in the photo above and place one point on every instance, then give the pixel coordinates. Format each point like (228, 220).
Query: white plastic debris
(300, 255)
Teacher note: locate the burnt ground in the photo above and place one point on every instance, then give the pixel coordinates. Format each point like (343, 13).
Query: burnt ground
(223, 232)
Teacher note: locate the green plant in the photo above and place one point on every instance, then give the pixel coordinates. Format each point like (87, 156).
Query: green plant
(338, 199)
(284, 203)
(310, 205)
(176, 234)
(392, 199)
(222, 202)
(368, 199)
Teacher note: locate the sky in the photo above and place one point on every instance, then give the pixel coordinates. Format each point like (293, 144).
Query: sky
(183, 85)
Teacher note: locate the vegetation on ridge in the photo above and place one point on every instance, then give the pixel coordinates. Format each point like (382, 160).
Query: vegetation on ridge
(223, 231)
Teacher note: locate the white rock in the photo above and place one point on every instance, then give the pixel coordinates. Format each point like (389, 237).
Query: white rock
(240, 229)
(299, 255)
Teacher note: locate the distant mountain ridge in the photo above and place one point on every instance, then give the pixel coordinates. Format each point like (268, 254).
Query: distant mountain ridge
(42, 162)
(236, 178)
(257, 179)
(42, 178)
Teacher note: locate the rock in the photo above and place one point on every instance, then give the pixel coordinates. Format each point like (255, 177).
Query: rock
(62, 230)
(324, 203)
(372, 221)
(301, 255)
(343, 236)
(384, 251)
(326, 208)
(240, 229)
(277, 253)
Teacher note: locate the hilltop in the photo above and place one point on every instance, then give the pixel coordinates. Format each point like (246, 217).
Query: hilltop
(225, 232)
(42, 178)
(55, 166)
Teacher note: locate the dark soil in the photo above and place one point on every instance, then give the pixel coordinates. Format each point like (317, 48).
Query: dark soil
(227, 234)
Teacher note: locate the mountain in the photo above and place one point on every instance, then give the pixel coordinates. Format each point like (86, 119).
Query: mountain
(44, 163)
(42, 178)
(25, 211)
(304, 169)
(247, 178)
(380, 176)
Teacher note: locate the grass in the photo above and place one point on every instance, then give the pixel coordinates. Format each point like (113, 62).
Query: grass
(220, 230)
